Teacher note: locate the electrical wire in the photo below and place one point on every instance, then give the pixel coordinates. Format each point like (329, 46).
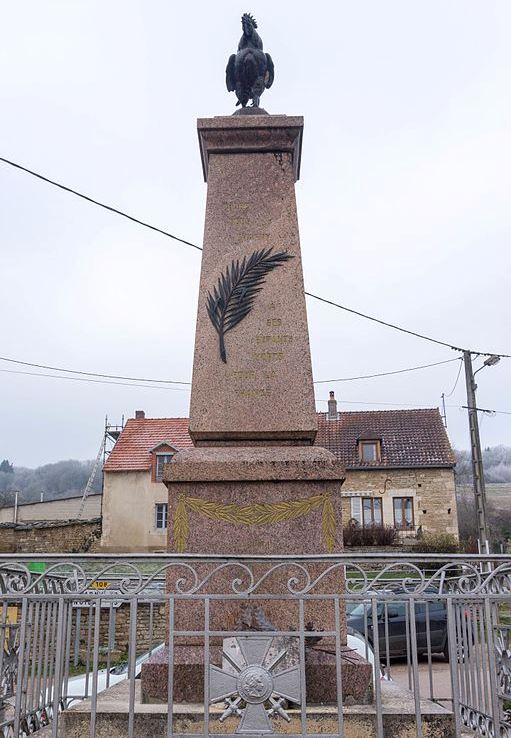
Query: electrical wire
(95, 381)
(90, 374)
(411, 405)
(198, 248)
(383, 322)
(173, 381)
(385, 374)
(457, 379)
(185, 389)
(100, 204)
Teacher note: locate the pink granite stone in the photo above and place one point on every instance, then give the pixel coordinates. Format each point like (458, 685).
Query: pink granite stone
(252, 417)
(320, 676)
(264, 391)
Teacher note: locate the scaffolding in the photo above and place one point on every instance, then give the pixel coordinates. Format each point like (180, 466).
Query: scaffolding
(110, 435)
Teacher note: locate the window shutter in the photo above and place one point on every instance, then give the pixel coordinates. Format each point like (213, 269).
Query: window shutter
(356, 509)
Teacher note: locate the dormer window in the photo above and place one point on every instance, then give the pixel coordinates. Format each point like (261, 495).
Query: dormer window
(369, 449)
(161, 460)
(162, 454)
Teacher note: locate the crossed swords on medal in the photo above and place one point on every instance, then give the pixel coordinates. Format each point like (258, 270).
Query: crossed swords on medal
(254, 684)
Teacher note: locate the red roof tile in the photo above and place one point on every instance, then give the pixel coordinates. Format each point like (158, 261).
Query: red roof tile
(139, 436)
(409, 438)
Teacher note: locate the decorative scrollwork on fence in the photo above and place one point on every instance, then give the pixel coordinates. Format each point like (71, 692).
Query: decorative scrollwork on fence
(503, 659)
(481, 723)
(188, 574)
(10, 645)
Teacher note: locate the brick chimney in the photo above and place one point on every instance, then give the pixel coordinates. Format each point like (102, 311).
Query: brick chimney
(139, 414)
(332, 407)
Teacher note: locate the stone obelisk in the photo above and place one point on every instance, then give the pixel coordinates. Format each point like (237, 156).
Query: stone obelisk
(252, 413)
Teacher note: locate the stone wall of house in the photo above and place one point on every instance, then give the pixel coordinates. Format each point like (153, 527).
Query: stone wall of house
(150, 630)
(50, 536)
(432, 490)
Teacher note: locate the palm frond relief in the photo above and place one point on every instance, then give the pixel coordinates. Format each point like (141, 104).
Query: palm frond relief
(233, 296)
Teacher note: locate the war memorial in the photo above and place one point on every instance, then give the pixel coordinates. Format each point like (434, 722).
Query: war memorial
(253, 484)
(241, 628)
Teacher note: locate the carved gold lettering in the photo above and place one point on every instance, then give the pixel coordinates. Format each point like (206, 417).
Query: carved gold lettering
(274, 322)
(236, 206)
(278, 339)
(269, 355)
(243, 374)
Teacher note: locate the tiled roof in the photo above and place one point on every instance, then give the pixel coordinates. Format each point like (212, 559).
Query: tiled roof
(409, 438)
(139, 436)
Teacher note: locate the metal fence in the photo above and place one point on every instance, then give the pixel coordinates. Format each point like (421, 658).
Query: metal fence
(255, 645)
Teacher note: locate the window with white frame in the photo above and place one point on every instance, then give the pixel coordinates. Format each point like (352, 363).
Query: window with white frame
(161, 511)
(161, 459)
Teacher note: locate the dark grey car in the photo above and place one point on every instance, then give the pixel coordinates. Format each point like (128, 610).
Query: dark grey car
(392, 621)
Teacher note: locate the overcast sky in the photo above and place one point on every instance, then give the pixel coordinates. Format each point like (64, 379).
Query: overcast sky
(404, 199)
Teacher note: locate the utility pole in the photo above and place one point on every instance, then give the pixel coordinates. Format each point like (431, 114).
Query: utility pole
(477, 460)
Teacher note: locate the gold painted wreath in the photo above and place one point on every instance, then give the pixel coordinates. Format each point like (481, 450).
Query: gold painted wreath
(257, 513)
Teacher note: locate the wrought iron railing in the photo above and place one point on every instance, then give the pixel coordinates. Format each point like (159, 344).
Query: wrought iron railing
(252, 643)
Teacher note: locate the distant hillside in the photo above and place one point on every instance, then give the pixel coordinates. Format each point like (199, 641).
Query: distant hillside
(67, 478)
(496, 461)
(62, 479)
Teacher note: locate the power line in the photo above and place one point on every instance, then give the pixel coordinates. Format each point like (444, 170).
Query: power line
(100, 204)
(185, 389)
(412, 405)
(173, 381)
(385, 374)
(89, 374)
(403, 330)
(95, 381)
(457, 379)
(198, 248)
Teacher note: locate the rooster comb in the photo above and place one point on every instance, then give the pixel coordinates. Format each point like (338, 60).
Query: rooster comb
(250, 18)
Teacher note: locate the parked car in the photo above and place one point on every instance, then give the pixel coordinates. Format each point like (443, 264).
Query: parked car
(392, 618)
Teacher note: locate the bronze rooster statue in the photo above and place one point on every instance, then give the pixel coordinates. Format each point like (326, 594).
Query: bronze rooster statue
(249, 71)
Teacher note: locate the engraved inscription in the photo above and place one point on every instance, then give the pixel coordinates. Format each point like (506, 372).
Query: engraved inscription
(278, 339)
(268, 355)
(236, 207)
(243, 375)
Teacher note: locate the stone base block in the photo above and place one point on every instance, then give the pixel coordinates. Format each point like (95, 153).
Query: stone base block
(112, 718)
(320, 676)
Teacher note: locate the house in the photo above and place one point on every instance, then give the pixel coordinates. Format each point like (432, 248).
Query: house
(399, 468)
(399, 472)
(134, 497)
